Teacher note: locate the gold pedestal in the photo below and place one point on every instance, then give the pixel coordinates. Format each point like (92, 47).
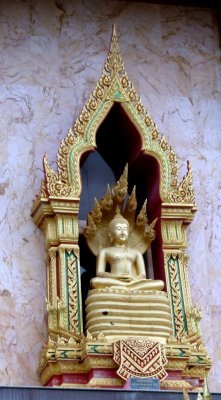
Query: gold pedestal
(119, 314)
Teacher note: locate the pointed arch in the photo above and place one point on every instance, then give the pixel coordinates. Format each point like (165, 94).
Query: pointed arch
(112, 88)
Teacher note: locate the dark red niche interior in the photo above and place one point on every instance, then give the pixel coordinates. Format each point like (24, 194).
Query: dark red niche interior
(118, 143)
(117, 140)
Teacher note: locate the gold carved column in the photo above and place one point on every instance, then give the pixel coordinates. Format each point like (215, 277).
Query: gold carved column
(58, 219)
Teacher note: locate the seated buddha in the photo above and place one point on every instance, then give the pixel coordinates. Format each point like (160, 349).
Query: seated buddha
(127, 269)
(122, 301)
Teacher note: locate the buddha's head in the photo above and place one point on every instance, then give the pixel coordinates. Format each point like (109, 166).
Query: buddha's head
(118, 229)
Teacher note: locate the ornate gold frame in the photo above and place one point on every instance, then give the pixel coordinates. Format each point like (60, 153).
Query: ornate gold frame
(55, 211)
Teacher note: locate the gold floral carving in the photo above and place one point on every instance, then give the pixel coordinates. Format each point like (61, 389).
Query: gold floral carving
(176, 297)
(176, 365)
(183, 264)
(105, 382)
(52, 278)
(73, 296)
(100, 362)
(175, 384)
(62, 301)
(54, 185)
(193, 318)
(51, 301)
(196, 371)
(184, 192)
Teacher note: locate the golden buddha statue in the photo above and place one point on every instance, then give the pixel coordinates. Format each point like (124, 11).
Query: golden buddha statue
(127, 269)
(122, 302)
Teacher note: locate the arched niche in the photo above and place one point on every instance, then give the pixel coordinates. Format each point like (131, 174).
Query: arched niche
(115, 123)
(118, 142)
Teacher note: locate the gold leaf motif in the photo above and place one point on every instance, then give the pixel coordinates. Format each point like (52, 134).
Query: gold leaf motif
(132, 95)
(73, 295)
(96, 213)
(106, 81)
(79, 128)
(106, 202)
(120, 188)
(142, 216)
(170, 384)
(155, 134)
(132, 201)
(172, 156)
(85, 115)
(164, 144)
(125, 81)
(149, 230)
(55, 187)
(184, 192)
(148, 120)
(140, 108)
(92, 104)
(99, 93)
(176, 297)
(90, 230)
(43, 190)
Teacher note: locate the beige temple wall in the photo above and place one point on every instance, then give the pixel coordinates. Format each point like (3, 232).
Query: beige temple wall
(51, 57)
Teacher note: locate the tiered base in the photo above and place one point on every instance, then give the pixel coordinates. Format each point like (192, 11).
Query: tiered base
(90, 364)
(119, 313)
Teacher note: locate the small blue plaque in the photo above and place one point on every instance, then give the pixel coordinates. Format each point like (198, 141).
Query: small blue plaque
(144, 383)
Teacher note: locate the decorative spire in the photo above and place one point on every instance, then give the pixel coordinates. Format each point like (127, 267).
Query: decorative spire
(114, 63)
(185, 395)
(206, 393)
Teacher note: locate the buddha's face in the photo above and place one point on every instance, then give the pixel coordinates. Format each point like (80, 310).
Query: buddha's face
(119, 233)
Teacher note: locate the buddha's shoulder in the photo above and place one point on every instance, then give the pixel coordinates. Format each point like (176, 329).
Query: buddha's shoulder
(106, 250)
(133, 251)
